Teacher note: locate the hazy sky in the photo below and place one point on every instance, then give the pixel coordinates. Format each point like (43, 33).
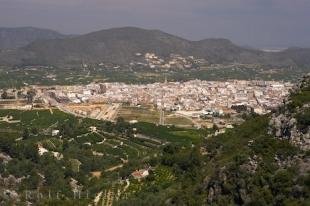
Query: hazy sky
(261, 23)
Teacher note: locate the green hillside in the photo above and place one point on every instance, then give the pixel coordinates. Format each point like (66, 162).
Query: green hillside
(96, 161)
(251, 164)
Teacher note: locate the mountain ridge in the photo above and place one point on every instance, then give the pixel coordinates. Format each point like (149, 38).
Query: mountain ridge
(11, 37)
(119, 45)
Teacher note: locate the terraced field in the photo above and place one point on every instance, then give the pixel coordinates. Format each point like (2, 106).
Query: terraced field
(100, 160)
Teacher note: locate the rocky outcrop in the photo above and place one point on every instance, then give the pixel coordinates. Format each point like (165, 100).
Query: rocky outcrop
(285, 127)
(283, 123)
(8, 196)
(251, 165)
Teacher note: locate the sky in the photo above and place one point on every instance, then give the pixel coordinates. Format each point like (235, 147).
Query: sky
(255, 23)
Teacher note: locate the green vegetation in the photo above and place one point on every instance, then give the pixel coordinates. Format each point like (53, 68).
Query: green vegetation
(240, 168)
(151, 115)
(297, 101)
(75, 153)
(144, 114)
(247, 165)
(18, 77)
(172, 134)
(179, 121)
(300, 98)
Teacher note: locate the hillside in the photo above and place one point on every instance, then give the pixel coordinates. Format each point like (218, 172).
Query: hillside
(53, 154)
(114, 45)
(264, 161)
(11, 38)
(120, 45)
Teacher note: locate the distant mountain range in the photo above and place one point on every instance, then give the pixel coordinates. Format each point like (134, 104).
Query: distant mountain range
(31, 46)
(19, 37)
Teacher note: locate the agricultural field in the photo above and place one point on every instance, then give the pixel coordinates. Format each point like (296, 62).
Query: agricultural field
(152, 115)
(91, 156)
(21, 76)
(141, 114)
(178, 120)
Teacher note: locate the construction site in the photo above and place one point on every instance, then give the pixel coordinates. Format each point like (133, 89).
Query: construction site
(94, 111)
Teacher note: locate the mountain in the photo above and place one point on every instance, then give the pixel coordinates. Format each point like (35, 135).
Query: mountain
(22, 36)
(119, 45)
(113, 45)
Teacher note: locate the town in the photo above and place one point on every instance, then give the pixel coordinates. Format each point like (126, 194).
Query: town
(192, 99)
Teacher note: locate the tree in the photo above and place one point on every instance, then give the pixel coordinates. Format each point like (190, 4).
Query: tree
(31, 152)
(28, 150)
(215, 127)
(25, 134)
(32, 181)
(123, 127)
(4, 95)
(30, 95)
(171, 149)
(34, 131)
(6, 144)
(67, 129)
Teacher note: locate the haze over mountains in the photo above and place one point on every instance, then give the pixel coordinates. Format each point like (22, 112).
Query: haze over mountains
(19, 37)
(119, 45)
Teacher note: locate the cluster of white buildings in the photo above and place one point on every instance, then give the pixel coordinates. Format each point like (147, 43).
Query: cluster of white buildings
(195, 95)
(153, 61)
